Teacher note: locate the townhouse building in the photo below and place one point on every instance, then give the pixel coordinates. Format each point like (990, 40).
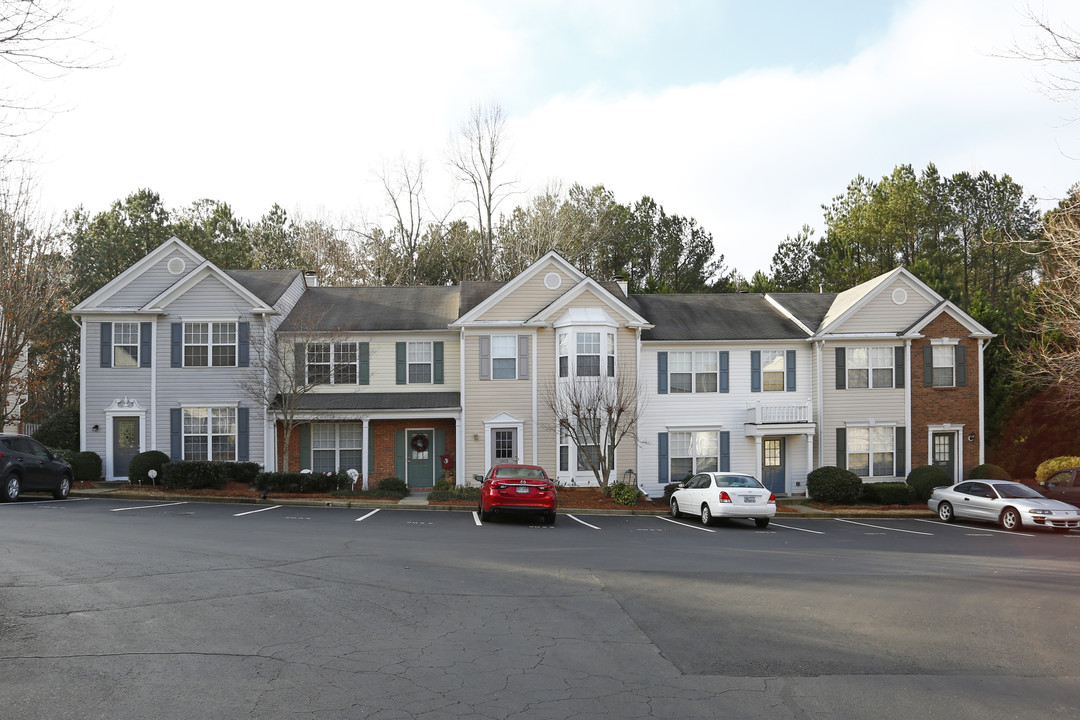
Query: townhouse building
(422, 382)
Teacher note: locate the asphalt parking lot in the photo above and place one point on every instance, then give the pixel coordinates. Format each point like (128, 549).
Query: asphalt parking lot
(156, 609)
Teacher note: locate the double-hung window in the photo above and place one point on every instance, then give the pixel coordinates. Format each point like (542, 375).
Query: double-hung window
(125, 344)
(944, 365)
(870, 367)
(333, 363)
(772, 370)
(693, 372)
(871, 451)
(564, 355)
(419, 362)
(336, 447)
(504, 350)
(587, 360)
(209, 434)
(209, 344)
(692, 453)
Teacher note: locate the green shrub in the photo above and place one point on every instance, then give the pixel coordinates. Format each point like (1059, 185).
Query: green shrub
(394, 485)
(1051, 466)
(668, 489)
(242, 472)
(925, 478)
(889, 493)
(832, 484)
(986, 471)
(193, 475)
(624, 493)
(297, 482)
(143, 463)
(446, 490)
(85, 466)
(61, 430)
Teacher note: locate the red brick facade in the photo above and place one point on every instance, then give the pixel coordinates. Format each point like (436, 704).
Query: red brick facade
(952, 406)
(382, 448)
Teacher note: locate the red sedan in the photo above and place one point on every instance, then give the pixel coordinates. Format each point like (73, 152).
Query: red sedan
(511, 488)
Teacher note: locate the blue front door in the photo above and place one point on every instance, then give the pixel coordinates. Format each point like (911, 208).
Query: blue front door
(773, 465)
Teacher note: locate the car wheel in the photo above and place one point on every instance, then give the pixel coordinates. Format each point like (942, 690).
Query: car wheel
(63, 488)
(1010, 519)
(706, 514)
(674, 508)
(761, 522)
(945, 513)
(484, 516)
(11, 488)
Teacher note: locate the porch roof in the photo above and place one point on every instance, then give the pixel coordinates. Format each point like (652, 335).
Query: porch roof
(377, 401)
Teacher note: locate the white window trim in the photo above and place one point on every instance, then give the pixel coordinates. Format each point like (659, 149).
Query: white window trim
(958, 431)
(870, 425)
(512, 356)
(209, 434)
(136, 344)
(333, 360)
(430, 362)
(783, 373)
(694, 457)
(503, 421)
(337, 444)
(210, 322)
(870, 366)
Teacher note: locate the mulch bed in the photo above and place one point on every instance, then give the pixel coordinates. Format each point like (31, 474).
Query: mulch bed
(580, 498)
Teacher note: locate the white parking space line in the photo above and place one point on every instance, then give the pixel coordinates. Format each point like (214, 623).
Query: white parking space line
(476, 518)
(792, 527)
(581, 521)
(365, 517)
(147, 507)
(252, 512)
(882, 527)
(682, 524)
(980, 529)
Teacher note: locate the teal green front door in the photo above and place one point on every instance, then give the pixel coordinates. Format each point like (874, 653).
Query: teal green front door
(420, 458)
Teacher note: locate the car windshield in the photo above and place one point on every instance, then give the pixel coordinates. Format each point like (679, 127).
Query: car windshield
(743, 481)
(520, 473)
(1016, 491)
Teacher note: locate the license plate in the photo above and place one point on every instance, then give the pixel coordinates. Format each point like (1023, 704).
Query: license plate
(749, 498)
(523, 490)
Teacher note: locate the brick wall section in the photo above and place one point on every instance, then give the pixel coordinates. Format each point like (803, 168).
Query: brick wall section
(938, 406)
(383, 447)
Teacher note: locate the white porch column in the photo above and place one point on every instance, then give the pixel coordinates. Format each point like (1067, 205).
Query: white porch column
(809, 458)
(365, 454)
(758, 443)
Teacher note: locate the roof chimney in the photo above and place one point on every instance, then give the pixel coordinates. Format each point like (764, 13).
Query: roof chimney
(623, 284)
(311, 278)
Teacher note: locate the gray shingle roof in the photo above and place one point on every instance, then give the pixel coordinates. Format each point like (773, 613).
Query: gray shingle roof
(313, 402)
(373, 309)
(720, 316)
(809, 308)
(267, 285)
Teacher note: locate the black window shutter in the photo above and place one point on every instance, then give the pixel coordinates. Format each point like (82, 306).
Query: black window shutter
(901, 452)
(661, 377)
(106, 344)
(662, 457)
(437, 362)
(841, 368)
(400, 361)
(900, 369)
(364, 371)
(146, 331)
(961, 366)
(725, 451)
(176, 450)
(841, 448)
(177, 350)
(242, 434)
(243, 344)
(928, 366)
(790, 362)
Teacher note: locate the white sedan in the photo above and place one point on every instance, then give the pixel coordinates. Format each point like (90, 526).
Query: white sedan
(1010, 503)
(724, 495)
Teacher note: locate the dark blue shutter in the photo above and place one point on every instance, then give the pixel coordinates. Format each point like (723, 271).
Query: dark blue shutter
(725, 451)
(146, 331)
(177, 353)
(755, 371)
(961, 366)
(242, 434)
(723, 371)
(106, 344)
(900, 368)
(437, 362)
(661, 375)
(841, 368)
(176, 420)
(841, 448)
(901, 452)
(402, 378)
(662, 458)
(243, 350)
(365, 364)
(790, 363)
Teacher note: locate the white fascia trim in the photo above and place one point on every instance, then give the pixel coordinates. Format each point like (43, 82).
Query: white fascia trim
(110, 288)
(977, 330)
(787, 313)
(527, 274)
(633, 319)
(205, 270)
(861, 336)
(696, 427)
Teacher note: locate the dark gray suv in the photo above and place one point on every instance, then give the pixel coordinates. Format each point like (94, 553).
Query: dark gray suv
(26, 464)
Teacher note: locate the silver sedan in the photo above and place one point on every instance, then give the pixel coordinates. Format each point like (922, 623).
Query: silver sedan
(1010, 503)
(724, 495)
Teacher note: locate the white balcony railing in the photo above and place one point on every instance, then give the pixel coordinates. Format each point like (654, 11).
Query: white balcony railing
(758, 413)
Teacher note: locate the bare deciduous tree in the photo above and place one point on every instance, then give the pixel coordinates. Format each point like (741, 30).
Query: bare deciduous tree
(31, 283)
(478, 156)
(597, 415)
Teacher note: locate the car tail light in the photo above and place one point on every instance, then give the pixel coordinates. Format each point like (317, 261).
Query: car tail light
(724, 497)
(772, 498)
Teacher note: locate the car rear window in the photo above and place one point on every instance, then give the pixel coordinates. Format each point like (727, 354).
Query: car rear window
(743, 481)
(520, 473)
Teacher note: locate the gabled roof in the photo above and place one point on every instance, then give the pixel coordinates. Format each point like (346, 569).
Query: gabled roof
(851, 300)
(588, 285)
(476, 311)
(808, 308)
(269, 285)
(196, 276)
(974, 327)
(97, 299)
(373, 309)
(715, 316)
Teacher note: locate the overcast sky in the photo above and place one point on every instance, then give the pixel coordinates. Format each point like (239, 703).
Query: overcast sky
(745, 118)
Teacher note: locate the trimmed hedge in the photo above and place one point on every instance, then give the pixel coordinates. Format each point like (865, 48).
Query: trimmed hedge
(927, 477)
(242, 472)
(143, 463)
(446, 490)
(297, 482)
(193, 475)
(394, 484)
(986, 471)
(1051, 466)
(832, 484)
(623, 493)
(889, 493)
(85, 466)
